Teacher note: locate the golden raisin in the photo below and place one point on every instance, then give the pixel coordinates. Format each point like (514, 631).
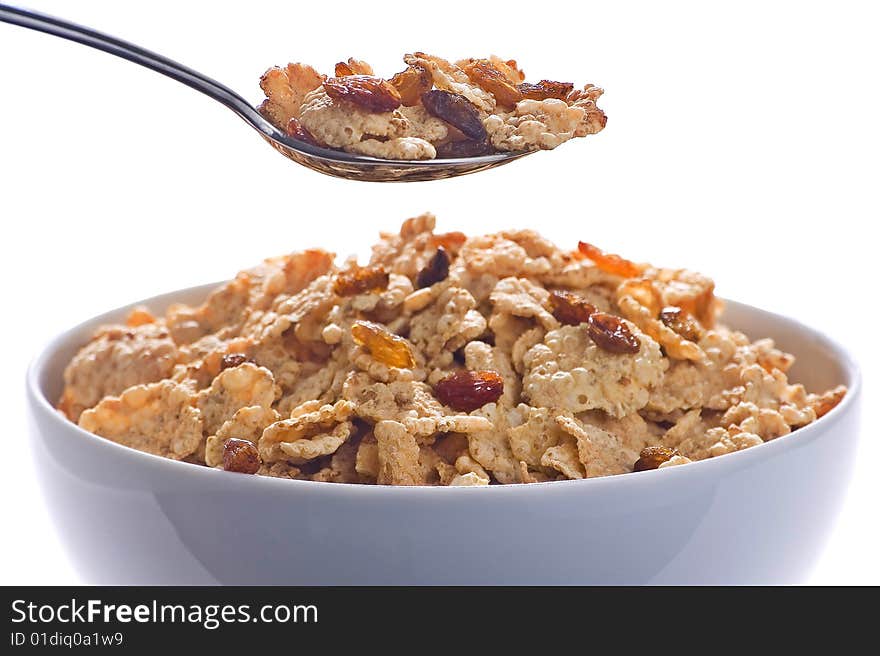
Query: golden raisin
(296, 130)
(353, 67)
(383, 345)
(466, 391)
(652, 457)
(451, 241)
(611, 334)
(436, 270)
(367, 92)
(608, 262)
(681, 322)
(412, 83)
(464, 148)
(361, 280)
(241, 456)
(545, 89)
(482, 73)
(231, 360)
(570, 309)
(456, 110)
(140, 316)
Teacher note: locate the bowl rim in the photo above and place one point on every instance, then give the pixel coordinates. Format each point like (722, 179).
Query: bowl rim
(740, 459)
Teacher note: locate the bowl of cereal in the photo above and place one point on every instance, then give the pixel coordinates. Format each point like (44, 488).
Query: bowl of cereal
(458, 410)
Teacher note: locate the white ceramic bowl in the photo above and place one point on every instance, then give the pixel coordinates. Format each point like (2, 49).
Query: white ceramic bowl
(756, 516)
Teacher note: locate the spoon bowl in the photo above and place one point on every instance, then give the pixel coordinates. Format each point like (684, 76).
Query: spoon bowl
(324, 160)
(358, 167)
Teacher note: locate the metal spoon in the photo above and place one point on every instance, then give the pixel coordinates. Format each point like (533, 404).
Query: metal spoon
(325, 160)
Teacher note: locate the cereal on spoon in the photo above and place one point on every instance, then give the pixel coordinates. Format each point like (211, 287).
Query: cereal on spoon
(433, 108)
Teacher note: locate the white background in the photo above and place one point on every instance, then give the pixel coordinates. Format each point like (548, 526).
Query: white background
(742, 141)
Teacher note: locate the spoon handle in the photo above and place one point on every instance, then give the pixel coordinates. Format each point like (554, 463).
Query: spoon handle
(87, 36)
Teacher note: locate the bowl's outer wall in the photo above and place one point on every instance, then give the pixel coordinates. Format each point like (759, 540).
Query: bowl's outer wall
(760, 516)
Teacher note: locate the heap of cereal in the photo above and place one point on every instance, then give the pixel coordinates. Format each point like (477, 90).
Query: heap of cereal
(446, 360)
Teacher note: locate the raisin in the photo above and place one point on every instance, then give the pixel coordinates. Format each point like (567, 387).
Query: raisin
(412, 83)
(611, 334)
(367, 92)
(652, 457)
(436, 270)
(383, 345)
(456, 110)
(466, 391)
(361, 280)
(570, 309)
(241, 456)
(296, 130)
(608, 262)
(353, 67)
(681, 322)
(482, 73)
(545, 89)
(231, 360)
(464, 148)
